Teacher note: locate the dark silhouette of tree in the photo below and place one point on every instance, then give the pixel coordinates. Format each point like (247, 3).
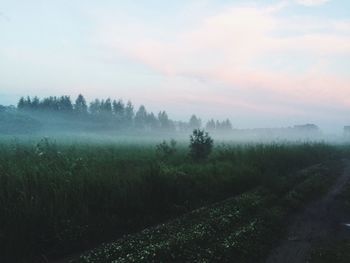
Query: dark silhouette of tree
(24, 104)
(95, 107)
(118, 109)
(228, 125)
(165, 123)
(115, 114)
(224, 125)
(65, 104)
(195, 123)
(129, 113)
(35, 105)
(28, 103)
(80, 106)
(106, 107)
(21, 104)
(201, 144)
(152, 122)
(210, 126)
(141, 118)
(49, 104)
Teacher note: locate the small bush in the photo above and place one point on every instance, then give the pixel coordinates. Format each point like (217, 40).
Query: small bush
(165, 150)
(201, 144)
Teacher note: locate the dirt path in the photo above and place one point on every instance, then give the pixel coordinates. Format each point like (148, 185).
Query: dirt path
(318, 221)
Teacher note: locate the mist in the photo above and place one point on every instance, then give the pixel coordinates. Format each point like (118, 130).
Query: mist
(175, 131)
(116, 120)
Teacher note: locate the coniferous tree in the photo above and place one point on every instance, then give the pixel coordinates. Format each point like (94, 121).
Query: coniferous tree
(51, 103)
(35, 105)
(25, 103)
(46, 104)
(118, 107)
(227, 126)
(224, 125)
(129, 113)
(210, 126)
(80, 106)
(95, 107)
(165, 122)
(65, 104)
(119, 110)
(152, 121)
(106, 107)
(141, 118)
(28, 103)
(195, 123)
(21, 104)
(106, 110)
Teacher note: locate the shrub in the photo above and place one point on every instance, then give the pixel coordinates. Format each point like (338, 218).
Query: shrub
(165, 150)
(201, 144)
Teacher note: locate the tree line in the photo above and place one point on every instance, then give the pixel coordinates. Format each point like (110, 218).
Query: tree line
(115, 111)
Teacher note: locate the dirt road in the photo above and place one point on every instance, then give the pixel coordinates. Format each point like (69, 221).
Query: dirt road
(320, 220)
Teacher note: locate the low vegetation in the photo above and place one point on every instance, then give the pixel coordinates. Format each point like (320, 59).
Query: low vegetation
(58, 198)
(201, 145)
(166, 150)
(243, 228)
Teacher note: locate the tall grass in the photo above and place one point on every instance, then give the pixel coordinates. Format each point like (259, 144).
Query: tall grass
(57, 198)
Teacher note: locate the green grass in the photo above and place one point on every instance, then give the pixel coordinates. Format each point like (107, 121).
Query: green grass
(243, 228)
(59, 198)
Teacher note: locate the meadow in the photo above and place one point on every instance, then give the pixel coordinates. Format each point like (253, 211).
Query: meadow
(61, 197)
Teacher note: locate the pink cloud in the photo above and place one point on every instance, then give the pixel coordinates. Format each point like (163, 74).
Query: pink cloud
(224, 48)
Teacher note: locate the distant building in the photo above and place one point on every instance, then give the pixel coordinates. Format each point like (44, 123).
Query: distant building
(307, 127)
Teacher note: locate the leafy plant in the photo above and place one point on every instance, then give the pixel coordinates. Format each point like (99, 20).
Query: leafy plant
(165, 150)
(201, 144)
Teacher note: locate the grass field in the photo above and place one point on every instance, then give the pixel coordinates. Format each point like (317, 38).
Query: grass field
(243, 228)
(58, 198)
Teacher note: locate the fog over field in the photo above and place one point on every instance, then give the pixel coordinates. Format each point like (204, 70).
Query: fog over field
(59, 117)
(202, 131)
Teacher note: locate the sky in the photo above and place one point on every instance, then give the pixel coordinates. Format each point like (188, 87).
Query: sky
(272, 63)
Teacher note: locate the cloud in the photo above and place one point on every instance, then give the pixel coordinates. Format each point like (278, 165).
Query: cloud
(239, 49)
(312, 2)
